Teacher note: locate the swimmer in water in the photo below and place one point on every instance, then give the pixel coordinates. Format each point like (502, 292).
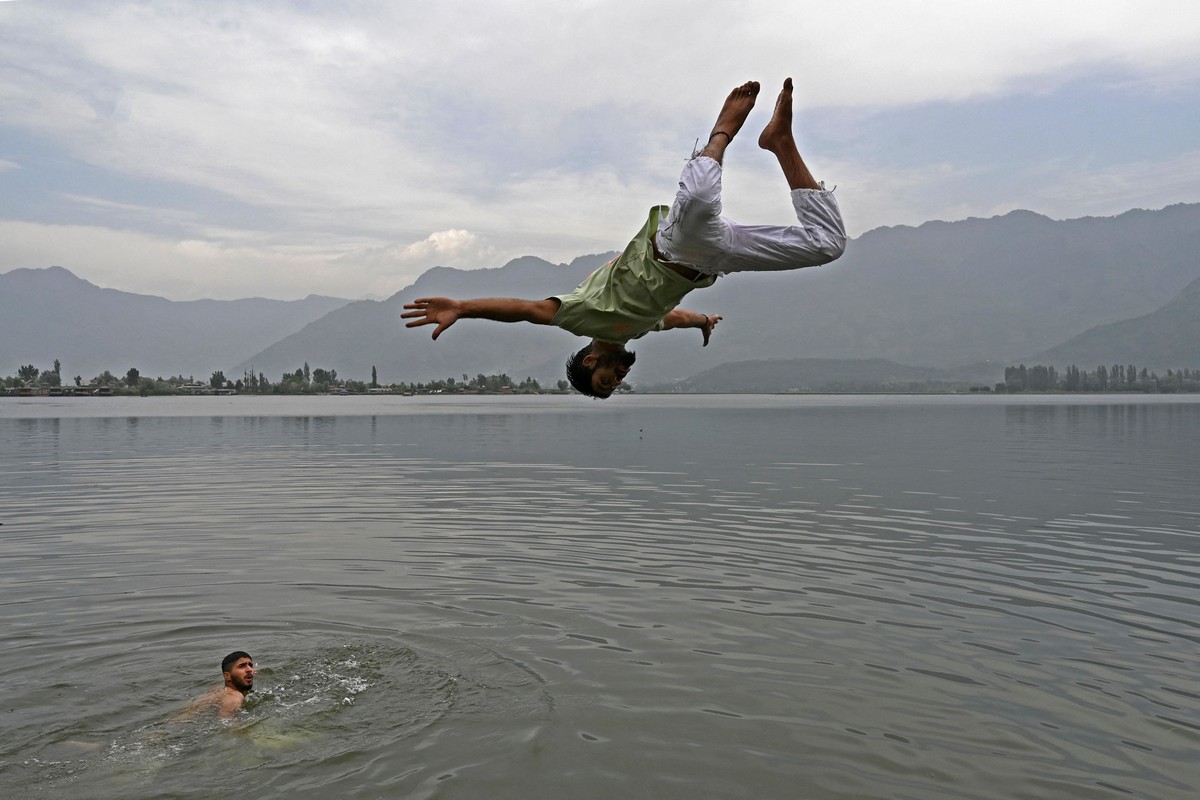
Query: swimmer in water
(238, 671)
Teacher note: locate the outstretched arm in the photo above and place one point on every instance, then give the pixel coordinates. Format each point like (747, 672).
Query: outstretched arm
(445, 311)
(683, 318)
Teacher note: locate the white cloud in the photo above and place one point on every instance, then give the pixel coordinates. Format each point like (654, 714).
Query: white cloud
(1111, 190)
(449, 248)
(452, 245)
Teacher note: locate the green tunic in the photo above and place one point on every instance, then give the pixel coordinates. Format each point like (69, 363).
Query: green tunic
(629, 296)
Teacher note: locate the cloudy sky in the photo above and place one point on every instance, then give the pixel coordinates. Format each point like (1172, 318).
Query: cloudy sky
(276, 149)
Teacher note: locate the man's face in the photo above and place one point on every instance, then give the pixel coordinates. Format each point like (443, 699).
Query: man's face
(611, 368)
(241, 675)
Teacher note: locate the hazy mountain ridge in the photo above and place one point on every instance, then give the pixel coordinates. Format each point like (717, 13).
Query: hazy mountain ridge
(954, 293)
(48, 314)
(940, 295)
(369, 334)
(1167, 338)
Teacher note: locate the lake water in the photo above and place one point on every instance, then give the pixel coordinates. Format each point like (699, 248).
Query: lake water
(653, 597)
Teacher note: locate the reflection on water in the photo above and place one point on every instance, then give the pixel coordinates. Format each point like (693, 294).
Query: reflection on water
(715, 597)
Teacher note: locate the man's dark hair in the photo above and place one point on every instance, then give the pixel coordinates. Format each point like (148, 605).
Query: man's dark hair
(580, 376)
(231, 659)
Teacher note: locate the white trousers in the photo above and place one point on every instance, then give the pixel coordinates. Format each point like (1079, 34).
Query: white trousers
(694, 232)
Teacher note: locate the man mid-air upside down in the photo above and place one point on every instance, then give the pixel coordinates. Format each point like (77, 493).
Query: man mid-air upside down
(676, 251)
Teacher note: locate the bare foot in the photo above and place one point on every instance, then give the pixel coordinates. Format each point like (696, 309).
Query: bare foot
(777, 136)
(737, 107)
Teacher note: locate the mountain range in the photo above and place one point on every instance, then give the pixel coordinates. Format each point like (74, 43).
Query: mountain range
(962, 298)
(49, 314)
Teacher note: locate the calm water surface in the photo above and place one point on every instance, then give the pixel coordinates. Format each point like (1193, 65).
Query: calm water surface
(653, 597)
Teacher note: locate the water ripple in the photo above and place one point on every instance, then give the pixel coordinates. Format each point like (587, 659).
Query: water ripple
(893, 624)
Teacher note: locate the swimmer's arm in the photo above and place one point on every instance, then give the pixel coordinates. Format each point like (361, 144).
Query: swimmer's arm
(684, 318)
(204, 702)
(445, 311)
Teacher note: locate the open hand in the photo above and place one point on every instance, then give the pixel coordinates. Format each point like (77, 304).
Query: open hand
(710, 322)
(440, 311)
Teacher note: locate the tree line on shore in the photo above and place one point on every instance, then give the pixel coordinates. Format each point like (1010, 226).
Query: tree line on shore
(1037, 378)
(1115, 378)
(302, 381)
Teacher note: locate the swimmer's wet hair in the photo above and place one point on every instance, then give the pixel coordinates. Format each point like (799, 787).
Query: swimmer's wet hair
(231, 659)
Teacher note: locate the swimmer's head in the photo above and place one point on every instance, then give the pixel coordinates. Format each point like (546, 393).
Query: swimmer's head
(238, 670)
(599, 373)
